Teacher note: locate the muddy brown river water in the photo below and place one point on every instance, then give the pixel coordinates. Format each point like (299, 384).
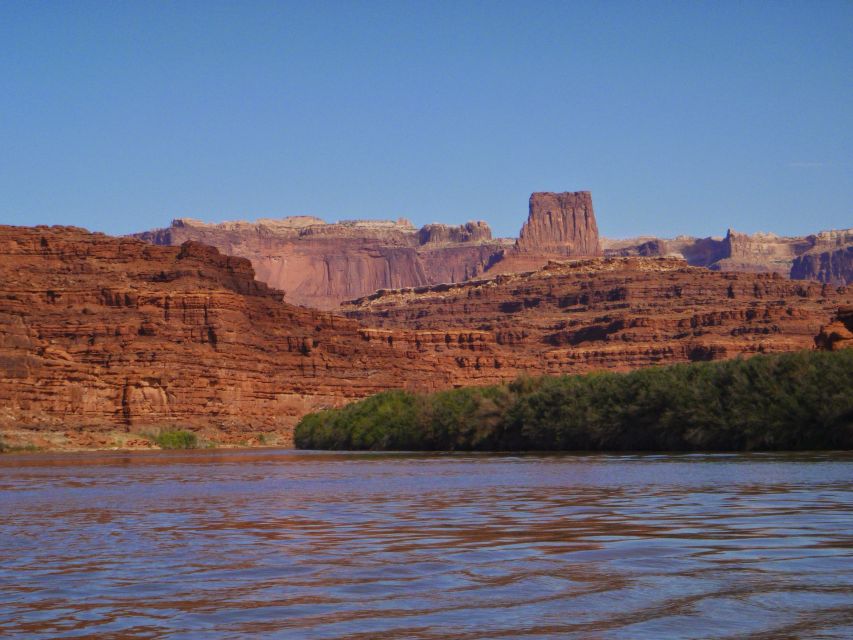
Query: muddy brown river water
(285, 544)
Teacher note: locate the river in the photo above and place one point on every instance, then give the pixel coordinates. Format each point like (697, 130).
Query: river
(267, 543)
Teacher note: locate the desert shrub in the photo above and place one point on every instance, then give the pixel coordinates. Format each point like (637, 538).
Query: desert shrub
(176, 439)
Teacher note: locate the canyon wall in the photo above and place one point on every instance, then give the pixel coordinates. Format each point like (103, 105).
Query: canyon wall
(615, 313)
(835, 266)
(323, 265)
(103, 339)
(826, 256)
(319, 265)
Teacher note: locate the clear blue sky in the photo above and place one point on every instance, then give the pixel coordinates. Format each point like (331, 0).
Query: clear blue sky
(680, 117)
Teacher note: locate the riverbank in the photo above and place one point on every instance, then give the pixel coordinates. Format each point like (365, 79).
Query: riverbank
(794, 401)
(34, 439)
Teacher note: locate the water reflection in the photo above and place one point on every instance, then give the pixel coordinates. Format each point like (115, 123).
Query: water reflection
(287, 544)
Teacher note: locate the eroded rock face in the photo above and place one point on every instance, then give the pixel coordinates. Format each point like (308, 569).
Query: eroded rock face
(616, 313)
(826, 256)
(102, 336)
(838, 334)
(835, 266)
(107, 338)
(560, 224)
(319, 265)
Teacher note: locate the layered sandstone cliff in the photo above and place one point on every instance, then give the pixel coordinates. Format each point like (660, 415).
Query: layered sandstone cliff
(321, 265)
(827, 263)
(616, 313)
(318, 264)
(102, 339)
(826, 256)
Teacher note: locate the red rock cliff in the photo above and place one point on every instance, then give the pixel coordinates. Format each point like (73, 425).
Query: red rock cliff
(102, 338)
(616, 313)
(319, 265)
(838, 334)
(558, 225)
(828, 262)
(826, 256)
(105, 338)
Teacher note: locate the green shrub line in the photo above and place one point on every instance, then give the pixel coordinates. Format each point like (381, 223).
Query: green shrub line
(792, 401)
(174, 439)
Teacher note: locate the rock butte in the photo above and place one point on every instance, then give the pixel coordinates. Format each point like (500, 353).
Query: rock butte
(103, 339)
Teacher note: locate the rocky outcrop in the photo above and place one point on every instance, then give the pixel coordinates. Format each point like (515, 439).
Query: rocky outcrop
(431, 234)
(615, 313)
(826, 256)
(560, 224)
(103, 339)
(318, 264)
(321, 265)
(759, 252)
(838, 334)
(835, 266)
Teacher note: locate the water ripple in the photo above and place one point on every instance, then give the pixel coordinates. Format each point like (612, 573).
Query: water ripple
(287, 544)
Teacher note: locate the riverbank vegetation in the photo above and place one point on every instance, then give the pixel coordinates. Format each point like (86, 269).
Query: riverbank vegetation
(795, 401)
(25, 448)
(175, 439)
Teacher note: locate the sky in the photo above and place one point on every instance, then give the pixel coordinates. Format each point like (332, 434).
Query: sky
(680, 117)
